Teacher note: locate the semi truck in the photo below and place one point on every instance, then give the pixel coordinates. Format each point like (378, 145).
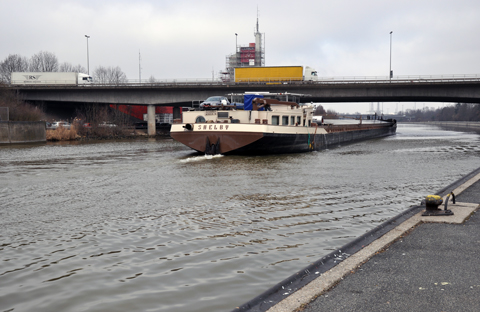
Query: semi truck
(275, 74)
(50, 78)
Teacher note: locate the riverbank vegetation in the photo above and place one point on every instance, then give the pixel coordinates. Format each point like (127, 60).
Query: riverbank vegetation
(328, 114)
(77, 131)
(92, 121)
(18, 110)
(454, 112)
(96, 121)
(62, 134)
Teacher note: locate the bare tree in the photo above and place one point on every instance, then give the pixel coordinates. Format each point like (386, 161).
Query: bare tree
(65, 67)
(319, 111)
(104, 121)
(100, 74)
(44, 62)
(116, 75)
(93, 113)
(331, 114)
(152, 79)
(113, 75)
(68, 67)
(12, 63)
(79, 69)
(121, 115)
(18, 109)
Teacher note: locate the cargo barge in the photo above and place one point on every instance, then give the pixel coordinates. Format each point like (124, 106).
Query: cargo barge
(268, 124)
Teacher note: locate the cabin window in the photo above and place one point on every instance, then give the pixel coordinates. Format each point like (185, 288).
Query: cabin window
(222, 114)
(200, 119)
(292, 120)
(309, 122)
(284, 120)
(299, 120)
(275, 120)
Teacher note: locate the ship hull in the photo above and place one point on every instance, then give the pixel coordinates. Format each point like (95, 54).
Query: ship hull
(258, 142)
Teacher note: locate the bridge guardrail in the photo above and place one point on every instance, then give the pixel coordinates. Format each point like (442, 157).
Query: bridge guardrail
(400, 79)
(294, 80)
(321, 80)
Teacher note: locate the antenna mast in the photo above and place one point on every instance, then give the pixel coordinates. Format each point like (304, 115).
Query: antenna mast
(257, 19)
(139, 67)
(259, 50)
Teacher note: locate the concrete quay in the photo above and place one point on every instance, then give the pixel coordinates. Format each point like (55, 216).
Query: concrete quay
(409, 263)
(456, 124)
(13, 132)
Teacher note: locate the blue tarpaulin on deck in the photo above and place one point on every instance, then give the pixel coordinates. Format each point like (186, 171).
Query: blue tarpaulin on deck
(247, 101)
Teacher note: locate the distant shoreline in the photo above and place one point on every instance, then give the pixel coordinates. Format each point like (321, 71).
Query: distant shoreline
(459, 124)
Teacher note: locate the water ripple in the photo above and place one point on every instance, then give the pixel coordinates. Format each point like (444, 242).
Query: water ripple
(151, 226)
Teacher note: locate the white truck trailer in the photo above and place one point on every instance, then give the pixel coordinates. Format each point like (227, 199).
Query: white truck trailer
(50, 78)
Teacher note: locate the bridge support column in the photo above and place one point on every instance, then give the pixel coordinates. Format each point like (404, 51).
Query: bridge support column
(151, 120)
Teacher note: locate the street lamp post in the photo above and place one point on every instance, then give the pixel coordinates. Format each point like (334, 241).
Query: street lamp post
(88, 60)
(391, 72)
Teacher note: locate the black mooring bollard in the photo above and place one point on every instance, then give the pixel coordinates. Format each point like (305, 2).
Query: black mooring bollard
(431, 204)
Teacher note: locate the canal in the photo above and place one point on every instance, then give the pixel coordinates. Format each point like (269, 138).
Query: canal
(147, 225)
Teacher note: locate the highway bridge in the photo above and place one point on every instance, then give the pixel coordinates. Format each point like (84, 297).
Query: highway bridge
(459, 88)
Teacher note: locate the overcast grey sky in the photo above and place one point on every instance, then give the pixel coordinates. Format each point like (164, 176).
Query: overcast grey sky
(191, 39)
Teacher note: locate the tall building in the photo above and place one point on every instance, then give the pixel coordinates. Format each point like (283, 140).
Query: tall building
(249, 55)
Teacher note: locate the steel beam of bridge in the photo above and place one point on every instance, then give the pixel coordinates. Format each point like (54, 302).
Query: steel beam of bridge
(178, 94)
(184, 94)
(414, 91)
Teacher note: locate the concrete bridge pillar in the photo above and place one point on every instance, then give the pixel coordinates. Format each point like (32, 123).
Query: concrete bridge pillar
(151, 120)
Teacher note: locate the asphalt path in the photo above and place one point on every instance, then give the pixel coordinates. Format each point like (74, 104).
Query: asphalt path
(436, 267)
